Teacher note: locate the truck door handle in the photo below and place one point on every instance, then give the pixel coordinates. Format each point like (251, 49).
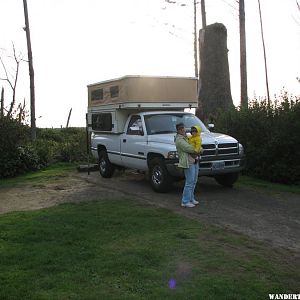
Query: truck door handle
(124, 140)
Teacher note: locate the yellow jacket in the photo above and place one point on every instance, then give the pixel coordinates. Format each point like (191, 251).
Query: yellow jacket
(196, 140)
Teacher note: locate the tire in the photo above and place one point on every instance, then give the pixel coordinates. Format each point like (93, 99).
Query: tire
(161, 180)
(227, 180)
(106, 168)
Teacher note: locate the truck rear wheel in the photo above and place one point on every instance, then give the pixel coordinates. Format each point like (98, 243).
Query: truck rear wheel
(161, 180)
(227, 180)
(106, 168)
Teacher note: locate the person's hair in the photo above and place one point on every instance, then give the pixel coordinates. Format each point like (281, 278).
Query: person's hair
(179, 126)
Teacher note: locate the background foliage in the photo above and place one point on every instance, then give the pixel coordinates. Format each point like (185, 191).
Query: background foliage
(18, 155)
(270, 135)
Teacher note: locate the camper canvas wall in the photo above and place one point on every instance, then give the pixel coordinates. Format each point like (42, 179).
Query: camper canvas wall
(111, 102)
(136, 91)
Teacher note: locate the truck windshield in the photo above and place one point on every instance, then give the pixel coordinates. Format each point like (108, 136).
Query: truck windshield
(166, 123)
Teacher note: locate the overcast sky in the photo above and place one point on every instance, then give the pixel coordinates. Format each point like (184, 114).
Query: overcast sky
(76, 43)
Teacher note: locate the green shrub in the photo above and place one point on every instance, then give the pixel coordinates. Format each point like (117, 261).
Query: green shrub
(46, 150)
(62, 144)
(28, 159)
(12, 136)
(270, 136)
(18, 154)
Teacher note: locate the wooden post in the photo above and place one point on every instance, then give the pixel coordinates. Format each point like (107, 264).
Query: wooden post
(31, 73)
(87, 142)
(69, 118)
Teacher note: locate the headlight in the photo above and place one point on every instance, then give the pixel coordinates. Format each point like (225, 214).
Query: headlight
(241, 149)
(172, 155)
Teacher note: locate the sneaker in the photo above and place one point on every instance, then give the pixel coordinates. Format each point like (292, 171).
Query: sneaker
(189, 204)
(195, 202)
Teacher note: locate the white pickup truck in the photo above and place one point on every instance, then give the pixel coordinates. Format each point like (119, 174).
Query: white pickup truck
(135, 135)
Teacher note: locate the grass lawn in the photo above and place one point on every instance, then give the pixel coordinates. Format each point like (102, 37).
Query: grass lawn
(276, 187)
(51, 172)
(122, 249)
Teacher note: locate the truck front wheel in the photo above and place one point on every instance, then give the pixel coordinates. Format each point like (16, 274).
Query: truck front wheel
(161, 180)
(106, 168)
(227, 180)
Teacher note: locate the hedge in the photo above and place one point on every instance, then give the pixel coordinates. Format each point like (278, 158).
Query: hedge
(270, 135)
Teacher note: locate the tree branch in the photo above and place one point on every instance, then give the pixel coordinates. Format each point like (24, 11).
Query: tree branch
(12, 104)
(4, 68)
(12, 83)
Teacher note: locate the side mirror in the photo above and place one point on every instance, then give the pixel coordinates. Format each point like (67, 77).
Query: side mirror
(211, 126)
(136, 130)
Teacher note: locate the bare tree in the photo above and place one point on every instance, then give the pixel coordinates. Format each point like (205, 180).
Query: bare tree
(21, 111)
(11, 80)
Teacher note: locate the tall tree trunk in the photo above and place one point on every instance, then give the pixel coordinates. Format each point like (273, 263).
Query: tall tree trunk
(203, 13)
(31, 73)
(195, 40)
(265, 56)
(214, 80)
(243, 56)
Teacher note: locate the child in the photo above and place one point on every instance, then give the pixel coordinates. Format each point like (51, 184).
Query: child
(195, 138)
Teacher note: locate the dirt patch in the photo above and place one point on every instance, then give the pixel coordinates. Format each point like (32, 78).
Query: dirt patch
(267, 216)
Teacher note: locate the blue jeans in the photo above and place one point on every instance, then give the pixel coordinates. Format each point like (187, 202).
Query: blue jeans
(191, 178)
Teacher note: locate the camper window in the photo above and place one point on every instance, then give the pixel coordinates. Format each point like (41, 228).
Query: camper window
(114, 91)
(102, 122)
(97, 95)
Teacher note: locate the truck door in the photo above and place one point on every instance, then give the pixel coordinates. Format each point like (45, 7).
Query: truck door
(133, 145)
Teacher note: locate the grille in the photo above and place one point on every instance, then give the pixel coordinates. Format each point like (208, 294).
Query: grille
(220, 149)
(228, 145)
(228, 164)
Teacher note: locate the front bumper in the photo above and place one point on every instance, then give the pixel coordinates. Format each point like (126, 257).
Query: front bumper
(206, 166)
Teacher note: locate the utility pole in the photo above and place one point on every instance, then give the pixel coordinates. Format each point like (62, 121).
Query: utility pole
(243, 57)
(265, 57)
(195, 40)
(31, 73)
(203, 14)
